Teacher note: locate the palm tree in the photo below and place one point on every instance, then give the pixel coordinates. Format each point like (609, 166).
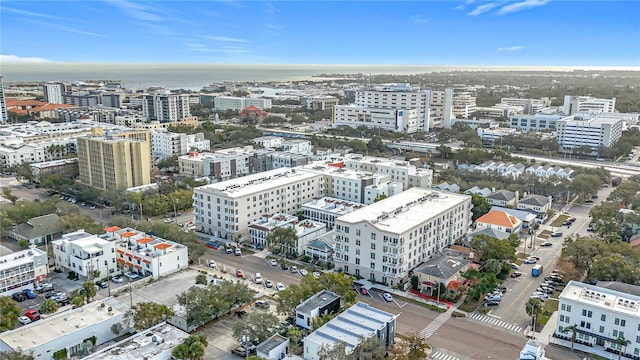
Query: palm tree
(533, 307)
(573, 329)
(621, 341)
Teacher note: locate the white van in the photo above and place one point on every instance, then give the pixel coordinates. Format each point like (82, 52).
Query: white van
(258, 278)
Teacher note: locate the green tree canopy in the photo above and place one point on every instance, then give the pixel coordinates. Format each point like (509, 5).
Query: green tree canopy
(9, 313)
(481, 206)
(255, 326)
(193, 348)
(144, 315)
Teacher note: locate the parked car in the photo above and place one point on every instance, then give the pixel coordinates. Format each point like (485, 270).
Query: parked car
(240, 351)
(515, 266)
(29, 293)
(212, 264)
(258, 278)
(273, 262)
(316, 274)
(268, 283)
(239, 273)
(102, 284)
(293, 269)
(364, 291)
(387, 297)
(263, 304)
(132, 275)
(19, 297)
(44, 287)
(530, 261)
(228, 250)
(556, 234)
(516, 274)
(546, 244)
(237, 252)
(284, 266)
(32, 314)
(24, 320)
(303, 272)
(117, 280)
(280, 286)
(491, 303)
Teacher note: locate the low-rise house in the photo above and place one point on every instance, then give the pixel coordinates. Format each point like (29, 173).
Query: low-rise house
(500, 235)
(352, 326)
(537, 204)
(38, 230)
(321, 248)
(323, 303)
(478, 191)
(526, 217)
(501, 221)
(503, 198)
(274, 348)
(453, 188)
(445, 270)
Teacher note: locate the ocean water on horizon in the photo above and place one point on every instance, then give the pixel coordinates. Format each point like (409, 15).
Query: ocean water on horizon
(195, 76)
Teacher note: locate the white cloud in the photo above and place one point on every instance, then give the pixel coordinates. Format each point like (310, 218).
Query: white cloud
(481, 9)
(31, 13)
(218, 49)
(139, 10)
(523, 5)
(418, 19)
(226, 39)
(20, 59)
(511, 48)
(61, 27)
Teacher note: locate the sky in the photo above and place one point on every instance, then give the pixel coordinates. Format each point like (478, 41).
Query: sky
(427, 32)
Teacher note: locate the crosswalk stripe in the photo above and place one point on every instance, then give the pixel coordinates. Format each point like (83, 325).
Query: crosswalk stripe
(495, 321)
(442, 356)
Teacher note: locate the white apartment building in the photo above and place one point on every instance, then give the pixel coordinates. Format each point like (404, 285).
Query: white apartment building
(22, 270)
(587, 104)
(165, 143)
(441, 106)
(16, 155)
(166, 108)
(592, 131)
(280, 159)
(4, 117)
(385, 189)
(269, 142)
(398, 108)
(319, 103)
(529, 106)
(399, 171)
(90, 256)
(239, 103)
(65, 332)
(327, 209)
(297, 146)
(535, 122)
(224, 164)
(145, 254)
(53, 92)
(226, 209)
(602, 316)
(306, 230)
(347, 184)
(464, 104)
(382, 242)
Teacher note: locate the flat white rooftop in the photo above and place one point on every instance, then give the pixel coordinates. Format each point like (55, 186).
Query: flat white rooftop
(257, 183)
(595, 296)
(63, 324)
(332, 205)
(406, 210)
(18, 258)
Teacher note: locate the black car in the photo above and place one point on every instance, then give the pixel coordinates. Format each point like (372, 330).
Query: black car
(491, 303)
(102, 284)
(19, 297)
(284, 266)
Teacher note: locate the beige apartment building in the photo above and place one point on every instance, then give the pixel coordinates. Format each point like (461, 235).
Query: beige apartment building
(110, 162)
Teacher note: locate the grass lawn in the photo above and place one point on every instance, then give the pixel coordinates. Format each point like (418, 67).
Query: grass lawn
(471, 306)
(545, 234)
(561, 219)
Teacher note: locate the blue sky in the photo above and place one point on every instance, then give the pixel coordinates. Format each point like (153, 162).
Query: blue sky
(471, 32)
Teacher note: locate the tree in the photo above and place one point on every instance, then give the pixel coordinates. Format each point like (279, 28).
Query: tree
(16, 355)
(488, 247)
(369, 349)
(282, 239)
(9, 196)
(573, 329)
(445, 151)
(585, 184)
(144, 315)
(337, 351)
(49, 306)
(581, 253)
(481, 206)
(339, 283)
(117, 329)
(168, 162)
(295, 335)
(9, 313)
(318, 321)
(89, 290)
(193, 348)
(621, 341)
(533, 307)
(201, 279)
(255, 326)
(77, 301)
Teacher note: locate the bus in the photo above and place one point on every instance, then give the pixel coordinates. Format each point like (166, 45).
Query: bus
(536, 270)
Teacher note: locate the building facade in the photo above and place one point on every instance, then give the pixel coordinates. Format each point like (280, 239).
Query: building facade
(602, 316)
(586, 130)
(4, 117)
(441, 108)
(166, 143)
(382, 242)
(53, 92)
(327, 209)
(535, 122)
(239, 103)
(22, 270)
(166, 108)
(586, 104)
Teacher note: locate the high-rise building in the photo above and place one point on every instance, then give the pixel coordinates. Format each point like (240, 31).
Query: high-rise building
(239, 103)
(397, 108)
(81, 100)
(382, 242)
(166, 108)
(113, 100)
(3, 105)
(586, 104)
(441, 102)
(53, 92)
(587, 130)
(109, 162)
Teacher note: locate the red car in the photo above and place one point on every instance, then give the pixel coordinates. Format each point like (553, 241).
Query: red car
(32, 314)
(239, 273)
(364, 291)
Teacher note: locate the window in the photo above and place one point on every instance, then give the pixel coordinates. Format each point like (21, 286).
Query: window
(563, 307)
(584, 312)
(617, 321)
(638, 339)
(357, 232)
(623, 322)
(569, 308)
(603, 317)
(561, 318)
(373, 265)
(589, 313)
(373, 246)
(373, 256)
(601, 329)
(615, 333)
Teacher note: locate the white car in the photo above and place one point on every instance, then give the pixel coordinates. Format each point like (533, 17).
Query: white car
(279, 286)
(387, 297)
(268, 283)
(24, 320)
(258, 278)
(316, 275)
(212, 264)
(294, 269)
(530, 261)
(117, 280)
(273, 262)
(132, 275)
(303, 272)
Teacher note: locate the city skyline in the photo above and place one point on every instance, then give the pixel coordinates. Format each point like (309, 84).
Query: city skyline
(471, 32)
